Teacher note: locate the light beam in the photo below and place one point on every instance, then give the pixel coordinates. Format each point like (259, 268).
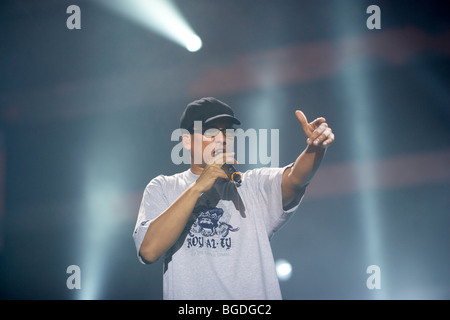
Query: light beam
(160, 16)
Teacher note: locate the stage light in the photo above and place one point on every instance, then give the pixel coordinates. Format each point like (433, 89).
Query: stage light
(160, 16)
(99, 227)
(284, 269)
(193, 43)
(361, 104)
(105, 168)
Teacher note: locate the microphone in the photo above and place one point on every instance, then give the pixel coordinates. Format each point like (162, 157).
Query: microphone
(232, 173)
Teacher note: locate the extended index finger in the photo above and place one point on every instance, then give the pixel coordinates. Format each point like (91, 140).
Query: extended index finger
(302, 119)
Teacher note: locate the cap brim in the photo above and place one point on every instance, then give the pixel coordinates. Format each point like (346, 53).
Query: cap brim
(223, 116)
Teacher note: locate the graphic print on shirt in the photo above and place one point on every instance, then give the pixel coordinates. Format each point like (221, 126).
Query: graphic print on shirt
(208, 231)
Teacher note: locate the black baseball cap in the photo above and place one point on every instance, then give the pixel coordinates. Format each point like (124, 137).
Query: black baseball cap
(206, 110)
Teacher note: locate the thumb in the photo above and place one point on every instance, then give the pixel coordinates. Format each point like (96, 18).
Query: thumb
(302, 118)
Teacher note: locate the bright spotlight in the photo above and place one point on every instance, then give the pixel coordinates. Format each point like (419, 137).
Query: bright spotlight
(284, 269)
(160, 16)
(194, 43)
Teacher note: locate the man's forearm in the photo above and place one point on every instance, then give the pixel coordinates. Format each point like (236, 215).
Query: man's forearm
(306, 165)
(296, 178)
(164, 231)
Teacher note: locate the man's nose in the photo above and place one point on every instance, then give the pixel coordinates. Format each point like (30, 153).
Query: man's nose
(220, 138)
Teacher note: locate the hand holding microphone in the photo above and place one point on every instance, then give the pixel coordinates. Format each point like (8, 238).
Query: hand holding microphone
(219, 166)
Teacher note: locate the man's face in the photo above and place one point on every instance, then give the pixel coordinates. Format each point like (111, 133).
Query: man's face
(212, 140)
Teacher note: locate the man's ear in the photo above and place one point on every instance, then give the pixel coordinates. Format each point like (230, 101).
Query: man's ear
(187, 141)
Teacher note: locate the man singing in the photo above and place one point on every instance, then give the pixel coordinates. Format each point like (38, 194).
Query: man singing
(215, 234)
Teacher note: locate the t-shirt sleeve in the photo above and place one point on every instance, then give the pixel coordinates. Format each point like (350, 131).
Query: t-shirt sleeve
(269, 188)
(154, 202)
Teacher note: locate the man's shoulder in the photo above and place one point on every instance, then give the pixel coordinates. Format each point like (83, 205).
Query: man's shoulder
(261, 171)
(163, 179)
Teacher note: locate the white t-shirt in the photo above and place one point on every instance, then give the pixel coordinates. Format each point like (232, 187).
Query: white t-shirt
(224, 252)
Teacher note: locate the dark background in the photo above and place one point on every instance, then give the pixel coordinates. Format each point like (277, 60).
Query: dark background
(86, 117)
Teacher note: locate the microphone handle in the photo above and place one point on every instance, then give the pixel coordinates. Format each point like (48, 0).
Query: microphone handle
(234, 175)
